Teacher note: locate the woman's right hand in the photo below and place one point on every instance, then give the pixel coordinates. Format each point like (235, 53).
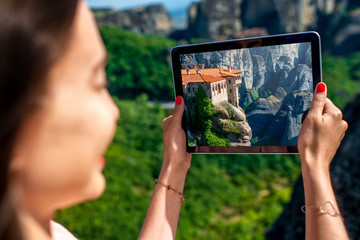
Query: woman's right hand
(175, 140)
(319, 138)
(322, 131)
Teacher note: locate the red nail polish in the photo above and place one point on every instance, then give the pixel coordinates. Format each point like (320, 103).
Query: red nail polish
(101, 161)
(321, 87)
(178, 100)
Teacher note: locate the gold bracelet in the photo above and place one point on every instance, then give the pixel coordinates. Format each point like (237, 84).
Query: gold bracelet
(170, 188)
(333, 211)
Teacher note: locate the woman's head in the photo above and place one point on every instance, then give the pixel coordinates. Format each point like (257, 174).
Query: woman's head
(58, 114)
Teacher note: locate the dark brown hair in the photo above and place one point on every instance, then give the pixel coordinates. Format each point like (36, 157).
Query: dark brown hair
(33, 34)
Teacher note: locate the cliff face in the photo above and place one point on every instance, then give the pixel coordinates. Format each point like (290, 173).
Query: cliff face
(238, 59)
(212, 18)
(336, 20)
(277, 16)
(153, 19)
(346, 38)
(216, 20)
(227, 121)
(260, 65)
(345, 176)
(276, 87)
(231, 121)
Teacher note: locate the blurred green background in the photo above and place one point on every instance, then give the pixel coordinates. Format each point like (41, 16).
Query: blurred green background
(227, 196)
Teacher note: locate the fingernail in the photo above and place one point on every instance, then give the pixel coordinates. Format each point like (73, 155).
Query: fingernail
(101, 161)
(321, 87)
(178, 100)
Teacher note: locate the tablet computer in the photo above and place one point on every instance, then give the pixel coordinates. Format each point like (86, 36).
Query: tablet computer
(247, 95)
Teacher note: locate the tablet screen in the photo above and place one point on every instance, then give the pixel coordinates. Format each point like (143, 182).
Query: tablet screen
(247, 97)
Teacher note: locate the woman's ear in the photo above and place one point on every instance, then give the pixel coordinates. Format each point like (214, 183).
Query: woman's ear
(16, 163)
(18, 155)
(23, 144)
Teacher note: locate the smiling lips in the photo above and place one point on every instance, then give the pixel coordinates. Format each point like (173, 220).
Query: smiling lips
(101, 161)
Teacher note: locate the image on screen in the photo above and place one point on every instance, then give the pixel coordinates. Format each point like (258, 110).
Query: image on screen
(247, 97)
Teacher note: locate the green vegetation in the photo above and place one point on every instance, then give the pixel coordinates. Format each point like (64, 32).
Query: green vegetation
(266, 94)
(138, 64)
(204, 110)
(229, 109)
(215, 139)
(246, 105)
(204, 115)
(254, 140)
(231, 127)
(255, 95)
(339, 75)
(227, 196)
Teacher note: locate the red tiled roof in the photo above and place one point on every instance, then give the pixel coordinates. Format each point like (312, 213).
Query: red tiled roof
(207, 75)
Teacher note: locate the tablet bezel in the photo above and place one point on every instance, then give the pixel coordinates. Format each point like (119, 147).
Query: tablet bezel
(312, 37)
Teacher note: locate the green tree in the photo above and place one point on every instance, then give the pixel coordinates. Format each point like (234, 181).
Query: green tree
(204, 122)
(138, 64)
(227, 196)
(339, 74)
(204, 110)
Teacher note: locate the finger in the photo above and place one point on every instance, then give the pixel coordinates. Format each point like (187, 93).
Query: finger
(329, 107)
(319, 99)
(166, 122)
(178, 110)
(167, 119)
(345, 125)
(332, 110)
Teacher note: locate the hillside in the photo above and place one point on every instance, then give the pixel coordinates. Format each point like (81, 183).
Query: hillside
(227, 196)
(138, 64)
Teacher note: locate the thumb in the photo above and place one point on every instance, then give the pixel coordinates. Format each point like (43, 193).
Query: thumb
(178, 110)
(319, 99)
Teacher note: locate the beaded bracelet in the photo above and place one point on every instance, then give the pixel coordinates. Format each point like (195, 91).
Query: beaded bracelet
(334, 212)
(170, 188)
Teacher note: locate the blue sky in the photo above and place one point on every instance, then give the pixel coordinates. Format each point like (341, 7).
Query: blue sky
(121, 4)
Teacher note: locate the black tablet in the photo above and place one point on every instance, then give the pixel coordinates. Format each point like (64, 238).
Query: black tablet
(247, 95)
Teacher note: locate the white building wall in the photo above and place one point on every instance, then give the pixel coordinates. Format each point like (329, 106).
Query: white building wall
(233, 90)
(191, 89)
(224, 90)
(219, 91)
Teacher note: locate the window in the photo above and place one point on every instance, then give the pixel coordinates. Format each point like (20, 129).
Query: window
(212, 88)
(230, 90)
(229, 81)
(219, 89)
(188, 90)
(193, 89)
